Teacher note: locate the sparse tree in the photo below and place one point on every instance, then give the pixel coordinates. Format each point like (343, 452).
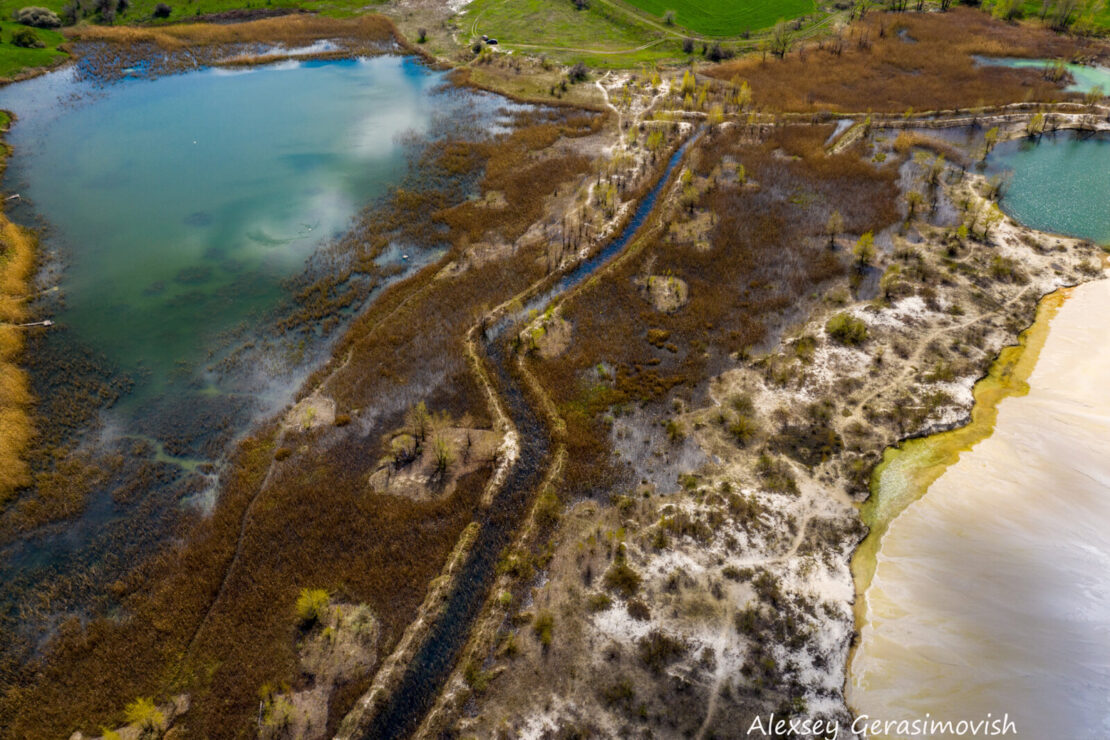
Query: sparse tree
(864, 251)
(421, 35)
(669, 17)
(1007, 10)
(890, 279)
(418, 421)
(989, 140)
(37, 17)
(443, 455)
(834, 226)
(1034, 127)
(578, 72)
(991, 217)
(781, 39)
(914, 201)
(1064, 14)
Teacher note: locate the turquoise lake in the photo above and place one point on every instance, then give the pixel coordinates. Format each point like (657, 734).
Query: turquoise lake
(1060, 184)
(178, 205)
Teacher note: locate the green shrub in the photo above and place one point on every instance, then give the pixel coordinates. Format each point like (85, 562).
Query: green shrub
(27, 39)
(776, 475)
(312, 606)
(638, 610)
(847, 329)
(743, 429)
(620, 692)
(144, 713)
(544, 627)
(598, 602)
(623, 579)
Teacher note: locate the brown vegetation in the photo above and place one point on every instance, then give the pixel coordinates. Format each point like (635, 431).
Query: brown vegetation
(872, 67)
(17, 262)
(766, 257)
(292, 30)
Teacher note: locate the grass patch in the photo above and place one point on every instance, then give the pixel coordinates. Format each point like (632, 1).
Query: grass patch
(15, 59)
(725, 17)
(600, 36)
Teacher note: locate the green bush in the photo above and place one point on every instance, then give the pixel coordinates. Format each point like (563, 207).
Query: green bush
(144, 713)
(622, 578)
(544, 627)
(27, 39)
(598, 602)
(847, 329)
(312, 606)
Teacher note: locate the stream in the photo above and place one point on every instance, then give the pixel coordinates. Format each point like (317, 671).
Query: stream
(432, 665)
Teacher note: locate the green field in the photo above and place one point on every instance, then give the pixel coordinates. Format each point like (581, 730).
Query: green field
(141, 11)
(726, 17)
(602, 35)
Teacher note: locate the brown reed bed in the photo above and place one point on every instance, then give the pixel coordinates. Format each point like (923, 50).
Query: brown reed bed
(874, 67)
(17, 266)
(765, 259)
(290, 30)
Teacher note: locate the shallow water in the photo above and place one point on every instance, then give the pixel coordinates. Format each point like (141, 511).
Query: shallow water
(991, 586)
(1085, 78)
(179, 204)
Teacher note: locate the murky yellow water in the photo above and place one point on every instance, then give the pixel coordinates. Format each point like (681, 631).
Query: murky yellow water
(991, 594)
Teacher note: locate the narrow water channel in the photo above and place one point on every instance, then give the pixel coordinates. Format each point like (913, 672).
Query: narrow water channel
(434, 661)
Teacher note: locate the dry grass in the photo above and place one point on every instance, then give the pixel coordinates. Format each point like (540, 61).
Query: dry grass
(17, 264)
(879, 70)
(290, 30)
